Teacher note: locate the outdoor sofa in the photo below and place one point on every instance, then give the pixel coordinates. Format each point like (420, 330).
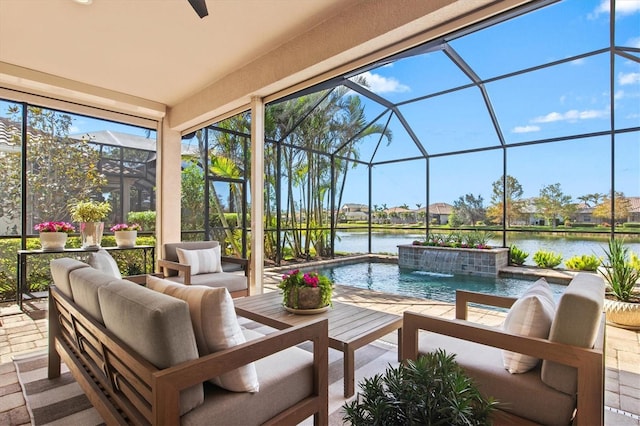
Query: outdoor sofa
(137, 354)
(565, 372)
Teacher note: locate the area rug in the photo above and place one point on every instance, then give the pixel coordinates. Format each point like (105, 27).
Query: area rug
(62, 402)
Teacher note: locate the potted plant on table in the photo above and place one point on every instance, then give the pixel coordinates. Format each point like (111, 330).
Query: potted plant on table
(621, 270)
(53, 235)
(126, 234)
(306, 290)
(90, 215)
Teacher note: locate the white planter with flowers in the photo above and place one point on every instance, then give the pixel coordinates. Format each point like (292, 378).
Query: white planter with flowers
(126, 234)
(53, 235)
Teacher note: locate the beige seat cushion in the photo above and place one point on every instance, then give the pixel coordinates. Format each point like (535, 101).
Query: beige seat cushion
(60, 270)
(230, 281)
(531, 315)
(285, 379)
(215, 326)
(522, 394)
(576, 323)
(156, 326)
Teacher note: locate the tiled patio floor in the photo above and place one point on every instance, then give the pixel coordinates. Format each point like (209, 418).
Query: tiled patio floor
(22, 333)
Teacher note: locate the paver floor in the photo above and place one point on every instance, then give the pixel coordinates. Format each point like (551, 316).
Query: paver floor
(25, 332)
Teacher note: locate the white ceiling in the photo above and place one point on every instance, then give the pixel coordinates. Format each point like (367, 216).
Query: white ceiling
(159, 50)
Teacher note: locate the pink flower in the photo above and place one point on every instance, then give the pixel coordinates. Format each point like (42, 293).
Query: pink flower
(54, 227)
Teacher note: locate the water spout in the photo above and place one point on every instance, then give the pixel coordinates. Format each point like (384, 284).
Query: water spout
(438, 261)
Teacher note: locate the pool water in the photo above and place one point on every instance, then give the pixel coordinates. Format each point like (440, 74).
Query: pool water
(389, 278)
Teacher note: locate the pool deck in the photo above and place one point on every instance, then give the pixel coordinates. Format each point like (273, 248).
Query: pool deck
(25, 332)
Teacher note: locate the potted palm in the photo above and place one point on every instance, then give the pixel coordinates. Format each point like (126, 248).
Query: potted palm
(90, 215)
(621, 270)
(308, 291)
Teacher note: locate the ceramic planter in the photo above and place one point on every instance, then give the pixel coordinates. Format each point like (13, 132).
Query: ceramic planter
(623, 314)
(53, 241)
(126, 238)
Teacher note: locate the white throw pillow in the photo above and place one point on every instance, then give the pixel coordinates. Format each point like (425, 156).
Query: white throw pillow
(201, 261)
(531, 315)
(102, 261)
(215, 326)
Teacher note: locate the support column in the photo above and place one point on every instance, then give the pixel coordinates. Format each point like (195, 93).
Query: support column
(257, 194)
(169, 187)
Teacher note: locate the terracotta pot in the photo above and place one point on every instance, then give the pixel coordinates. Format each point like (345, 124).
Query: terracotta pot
(53, 241)
(305, 298)
(622, 314)
(126, 238)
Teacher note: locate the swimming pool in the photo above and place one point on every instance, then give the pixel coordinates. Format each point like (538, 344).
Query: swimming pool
(389, 278)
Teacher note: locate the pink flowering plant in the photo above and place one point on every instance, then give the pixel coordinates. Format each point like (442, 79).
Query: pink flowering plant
(54, 227)
(126, 227)
(293, 280)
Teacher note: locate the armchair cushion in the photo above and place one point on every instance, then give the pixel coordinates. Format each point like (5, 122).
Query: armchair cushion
(102, 261)
(531, 315)
(202, 261)
(215, 326)
(576, 323)
(171, 254)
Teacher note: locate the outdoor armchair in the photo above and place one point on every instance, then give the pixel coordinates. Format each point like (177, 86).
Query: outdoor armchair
(203, 264)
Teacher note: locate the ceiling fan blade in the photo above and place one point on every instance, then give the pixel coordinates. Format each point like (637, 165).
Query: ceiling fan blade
(200, 6)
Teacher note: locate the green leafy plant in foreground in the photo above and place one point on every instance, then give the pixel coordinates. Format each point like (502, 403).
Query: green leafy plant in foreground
(620, 270)
(517, 256)
(547, 259)
(431, 390)
(583, 263)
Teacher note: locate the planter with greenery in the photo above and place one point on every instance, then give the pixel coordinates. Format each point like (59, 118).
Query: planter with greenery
(434, 390)
(621, 270)
(306, 290)
(90, 215)
(547, 259)
(516, 256)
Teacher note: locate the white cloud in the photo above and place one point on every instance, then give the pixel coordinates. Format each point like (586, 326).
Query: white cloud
(525, 129)
(380, 84)
(578, 62)
(571, 115)
(623, 7)
(628, 78)
(633, 42)
(618, 95)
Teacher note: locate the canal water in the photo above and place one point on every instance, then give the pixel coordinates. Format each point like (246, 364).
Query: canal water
(357, 242)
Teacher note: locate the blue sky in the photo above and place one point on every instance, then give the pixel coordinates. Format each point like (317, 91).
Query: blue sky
(567, 99)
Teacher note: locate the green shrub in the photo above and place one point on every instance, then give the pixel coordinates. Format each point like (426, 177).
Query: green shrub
(146, 219)
(583, 263)
(621, 270)
(547, 259)
(434, 390)
(517, 256)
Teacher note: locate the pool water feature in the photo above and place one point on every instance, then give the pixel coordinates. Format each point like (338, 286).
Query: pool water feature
(389, 278)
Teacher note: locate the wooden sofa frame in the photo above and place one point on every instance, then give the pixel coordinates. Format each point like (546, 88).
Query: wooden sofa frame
(588, 362)
(127, 389)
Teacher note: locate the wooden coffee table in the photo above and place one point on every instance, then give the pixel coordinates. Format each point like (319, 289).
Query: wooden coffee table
(350, 327)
